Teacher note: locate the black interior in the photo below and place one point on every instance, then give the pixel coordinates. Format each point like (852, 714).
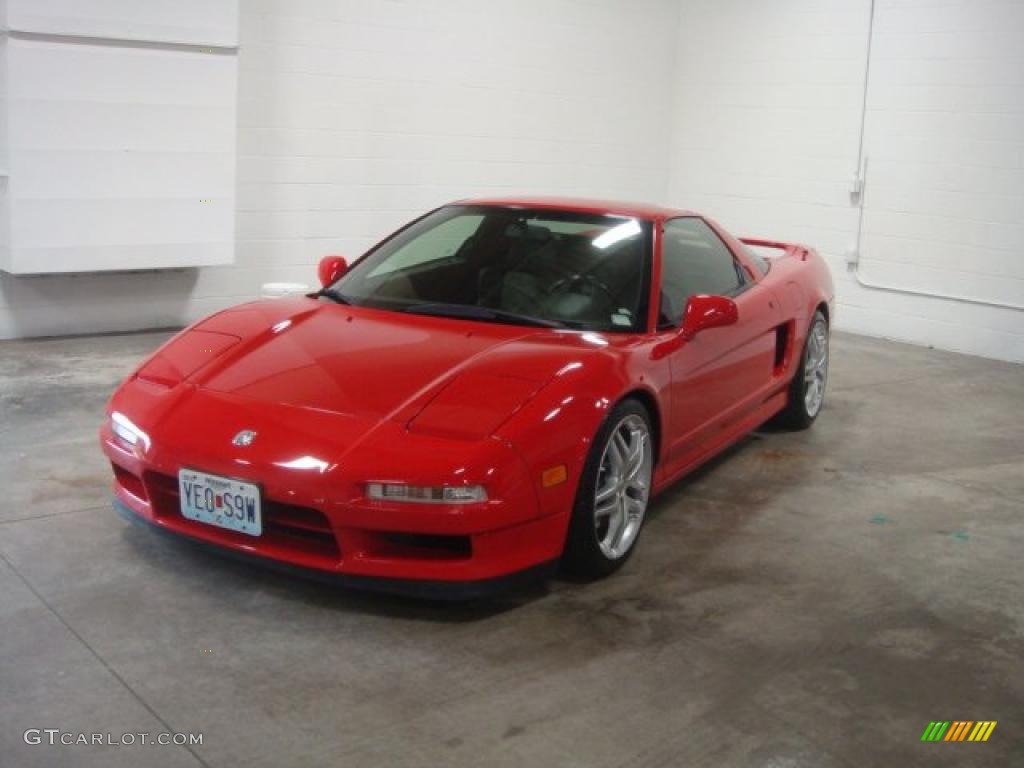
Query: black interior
(528, 264)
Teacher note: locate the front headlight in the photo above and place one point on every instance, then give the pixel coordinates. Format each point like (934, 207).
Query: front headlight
(123, 427)
(426, 494)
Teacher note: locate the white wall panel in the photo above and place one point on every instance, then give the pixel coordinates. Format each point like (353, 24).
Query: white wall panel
(5, 198)
(120, 134)
(200, 22)
(119, 157)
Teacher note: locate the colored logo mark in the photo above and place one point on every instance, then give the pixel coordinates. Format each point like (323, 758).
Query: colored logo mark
(244, 438)
(959, 730)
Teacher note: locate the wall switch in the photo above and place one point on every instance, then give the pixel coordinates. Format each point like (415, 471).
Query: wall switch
(856, 187)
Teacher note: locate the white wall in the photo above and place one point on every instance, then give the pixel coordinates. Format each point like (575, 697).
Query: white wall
(355, 116)
(766, 139)
(944, 194)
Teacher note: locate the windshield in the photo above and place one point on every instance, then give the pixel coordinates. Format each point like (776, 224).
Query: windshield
(503, 264)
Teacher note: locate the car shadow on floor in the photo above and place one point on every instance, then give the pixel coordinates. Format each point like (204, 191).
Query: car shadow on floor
(675, 498)
(178, 556)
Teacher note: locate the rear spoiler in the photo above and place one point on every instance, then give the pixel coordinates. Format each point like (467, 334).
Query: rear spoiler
(789, 249)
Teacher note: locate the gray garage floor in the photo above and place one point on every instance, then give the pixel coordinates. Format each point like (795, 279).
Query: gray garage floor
(809, 599)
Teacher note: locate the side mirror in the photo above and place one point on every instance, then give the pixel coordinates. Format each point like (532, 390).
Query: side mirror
(703, 312)
(330, 269)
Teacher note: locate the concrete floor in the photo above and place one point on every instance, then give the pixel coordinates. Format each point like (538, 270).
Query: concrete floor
(810, 599)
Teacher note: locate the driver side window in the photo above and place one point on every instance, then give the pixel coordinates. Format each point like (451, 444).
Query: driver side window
(694, 261)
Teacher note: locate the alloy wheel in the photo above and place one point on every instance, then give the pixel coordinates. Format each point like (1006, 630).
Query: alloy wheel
(816, 368)
(623, 486)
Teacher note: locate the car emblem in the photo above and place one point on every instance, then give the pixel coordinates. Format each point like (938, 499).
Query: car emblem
(244, 438)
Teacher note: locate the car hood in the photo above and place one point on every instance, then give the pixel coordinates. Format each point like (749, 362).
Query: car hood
(369, 364)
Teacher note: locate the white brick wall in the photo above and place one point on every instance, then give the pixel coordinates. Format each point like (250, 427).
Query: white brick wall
(944, 202)
(355, 116)
(766, 135)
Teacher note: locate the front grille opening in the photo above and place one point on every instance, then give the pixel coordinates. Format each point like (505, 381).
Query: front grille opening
(300, 523)
(128, 481)
(163, 493)
(424, 546)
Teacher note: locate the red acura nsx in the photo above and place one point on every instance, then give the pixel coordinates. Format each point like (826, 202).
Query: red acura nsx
(497, 388)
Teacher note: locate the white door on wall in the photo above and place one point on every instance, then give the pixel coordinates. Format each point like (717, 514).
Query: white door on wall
(120, 140)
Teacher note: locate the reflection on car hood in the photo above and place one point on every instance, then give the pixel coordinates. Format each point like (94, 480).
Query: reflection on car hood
(372, 364)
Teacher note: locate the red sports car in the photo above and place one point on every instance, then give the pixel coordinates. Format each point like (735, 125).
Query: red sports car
(498, 387)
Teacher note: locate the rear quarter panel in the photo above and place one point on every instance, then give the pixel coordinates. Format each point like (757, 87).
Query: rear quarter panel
(801, 282)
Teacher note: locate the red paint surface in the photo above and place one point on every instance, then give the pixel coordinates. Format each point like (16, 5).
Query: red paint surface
(341, 396)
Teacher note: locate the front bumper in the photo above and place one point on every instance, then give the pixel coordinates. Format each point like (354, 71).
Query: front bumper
(429, 589)
(456, 551)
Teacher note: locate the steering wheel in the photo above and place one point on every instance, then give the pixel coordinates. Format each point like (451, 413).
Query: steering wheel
(561, 286)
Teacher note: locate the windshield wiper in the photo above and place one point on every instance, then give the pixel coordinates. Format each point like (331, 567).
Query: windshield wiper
(474, 312)
(334, 296)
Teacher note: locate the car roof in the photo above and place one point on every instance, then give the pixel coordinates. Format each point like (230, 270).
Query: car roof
(581, 205)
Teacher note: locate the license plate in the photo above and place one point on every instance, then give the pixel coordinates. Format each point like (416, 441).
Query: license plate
(220, 501)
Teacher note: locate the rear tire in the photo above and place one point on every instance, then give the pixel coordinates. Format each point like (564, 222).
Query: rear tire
(614, 490)
(807, 389)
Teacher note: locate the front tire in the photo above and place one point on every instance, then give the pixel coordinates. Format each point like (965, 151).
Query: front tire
(807, 390)
(611, 501)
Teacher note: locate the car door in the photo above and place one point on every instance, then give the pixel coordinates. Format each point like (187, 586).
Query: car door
(721, 374)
